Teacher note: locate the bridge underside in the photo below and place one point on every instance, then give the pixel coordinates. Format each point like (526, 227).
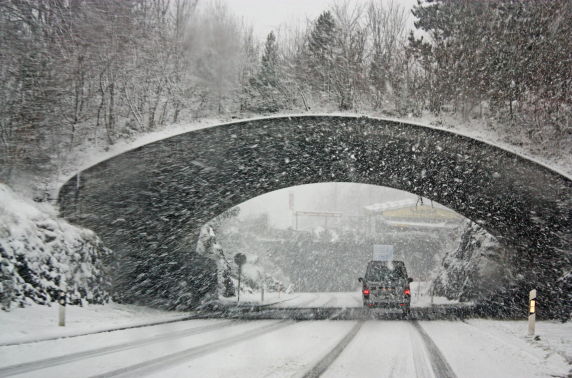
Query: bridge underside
(151, 198)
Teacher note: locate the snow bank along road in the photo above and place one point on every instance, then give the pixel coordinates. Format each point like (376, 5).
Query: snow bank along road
(285, 348)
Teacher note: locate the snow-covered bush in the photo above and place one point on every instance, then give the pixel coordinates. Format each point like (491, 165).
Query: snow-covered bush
(252, 273)
(207, 246)
(38, 249)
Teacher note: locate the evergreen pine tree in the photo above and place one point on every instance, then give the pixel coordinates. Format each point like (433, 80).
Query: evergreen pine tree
(321, 52)
(266, 91)
(268, 71)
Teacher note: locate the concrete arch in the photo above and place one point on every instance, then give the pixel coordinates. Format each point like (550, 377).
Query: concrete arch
(150, 197)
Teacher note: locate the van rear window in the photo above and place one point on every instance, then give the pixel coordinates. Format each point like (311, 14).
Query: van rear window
(383, 273)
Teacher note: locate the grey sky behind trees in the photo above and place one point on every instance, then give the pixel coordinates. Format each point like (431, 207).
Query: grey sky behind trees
(269, 15)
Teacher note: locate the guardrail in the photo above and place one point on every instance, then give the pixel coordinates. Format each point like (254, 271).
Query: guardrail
(448, 311)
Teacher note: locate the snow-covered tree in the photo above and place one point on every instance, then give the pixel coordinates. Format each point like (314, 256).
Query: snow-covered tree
(266, 90)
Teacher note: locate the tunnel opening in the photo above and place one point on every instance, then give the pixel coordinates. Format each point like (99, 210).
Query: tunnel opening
(319, 238)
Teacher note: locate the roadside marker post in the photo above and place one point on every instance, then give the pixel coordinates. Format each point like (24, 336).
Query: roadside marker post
(532, 313)
(262, 282)
(62, 302)
(239, 259)
(239, 273)
(431, 295)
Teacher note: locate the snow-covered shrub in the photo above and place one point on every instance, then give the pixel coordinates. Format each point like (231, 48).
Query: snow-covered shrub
(38, 249)
(252, 273)
(475, 269)
(207, 246)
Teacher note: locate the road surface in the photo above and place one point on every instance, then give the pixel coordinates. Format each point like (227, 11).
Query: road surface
(366, 347)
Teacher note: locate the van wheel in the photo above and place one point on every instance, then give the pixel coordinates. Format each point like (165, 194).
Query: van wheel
(407, 312)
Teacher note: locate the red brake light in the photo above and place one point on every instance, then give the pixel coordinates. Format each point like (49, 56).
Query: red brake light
(407, 291)
(365, 291)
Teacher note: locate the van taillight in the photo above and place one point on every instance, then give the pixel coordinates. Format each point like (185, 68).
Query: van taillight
(407, 291)
(366, 291)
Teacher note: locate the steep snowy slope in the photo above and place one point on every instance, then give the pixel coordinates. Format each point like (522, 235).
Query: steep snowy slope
(474, 269)
(37, 250)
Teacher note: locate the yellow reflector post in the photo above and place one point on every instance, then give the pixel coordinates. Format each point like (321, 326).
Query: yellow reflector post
(532, 306)
(532, 313)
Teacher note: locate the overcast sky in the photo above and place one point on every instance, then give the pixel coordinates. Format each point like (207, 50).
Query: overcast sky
(268, 15)
(346, 198)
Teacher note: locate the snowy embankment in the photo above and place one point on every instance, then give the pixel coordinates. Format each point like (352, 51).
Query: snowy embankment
(38, 250)
(498, 135)
(83, 156)
(553, 337)
(493, 348)
(35, 322)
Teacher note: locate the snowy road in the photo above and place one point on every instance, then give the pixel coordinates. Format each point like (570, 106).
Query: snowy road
(334, 305)
(286, 348)
(420, 298)
(321, 300)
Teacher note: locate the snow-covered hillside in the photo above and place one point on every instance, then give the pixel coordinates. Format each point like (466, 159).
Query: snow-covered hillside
(474, 269)
(37, 250)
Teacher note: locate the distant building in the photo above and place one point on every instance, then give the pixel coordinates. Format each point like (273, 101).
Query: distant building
(408, 214)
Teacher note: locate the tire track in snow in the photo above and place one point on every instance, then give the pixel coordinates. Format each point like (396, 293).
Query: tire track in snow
(49, 362)
(359, 301)
(440, 366)
(325, 362)
(313, 299)
(165, 362)
(302, 304)
(420, 359)
(333, 300)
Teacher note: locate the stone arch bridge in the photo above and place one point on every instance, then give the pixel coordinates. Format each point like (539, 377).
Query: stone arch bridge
(148, 199)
